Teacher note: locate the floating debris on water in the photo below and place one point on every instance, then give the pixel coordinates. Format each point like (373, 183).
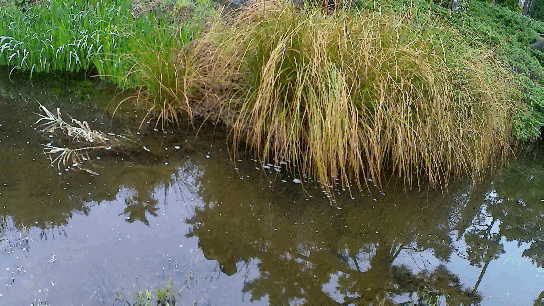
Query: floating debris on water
(297, 181)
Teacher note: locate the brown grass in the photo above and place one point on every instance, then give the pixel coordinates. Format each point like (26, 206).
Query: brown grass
(348, 95)
(345, 96)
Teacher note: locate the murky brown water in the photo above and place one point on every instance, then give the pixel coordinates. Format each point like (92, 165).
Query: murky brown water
(243, 232)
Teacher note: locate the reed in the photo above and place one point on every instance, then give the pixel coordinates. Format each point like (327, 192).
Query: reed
(345, 96)
(81, 35)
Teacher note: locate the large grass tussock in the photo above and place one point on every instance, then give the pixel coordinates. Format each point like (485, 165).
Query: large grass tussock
(344, 96)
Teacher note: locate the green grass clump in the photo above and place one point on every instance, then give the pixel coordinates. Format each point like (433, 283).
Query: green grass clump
(109, 37)
(493, 25)
(344, 96)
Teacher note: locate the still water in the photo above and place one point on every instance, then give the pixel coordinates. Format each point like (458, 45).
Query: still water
(175, 209)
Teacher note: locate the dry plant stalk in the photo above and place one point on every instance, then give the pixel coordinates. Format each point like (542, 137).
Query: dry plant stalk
(79, 133)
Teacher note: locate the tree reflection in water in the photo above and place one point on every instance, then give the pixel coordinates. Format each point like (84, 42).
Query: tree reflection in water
(304, 247)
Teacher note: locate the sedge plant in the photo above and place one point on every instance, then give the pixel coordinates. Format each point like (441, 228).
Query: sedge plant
(344, 96)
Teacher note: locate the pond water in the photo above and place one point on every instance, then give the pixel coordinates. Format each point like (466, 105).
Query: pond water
(176, 210)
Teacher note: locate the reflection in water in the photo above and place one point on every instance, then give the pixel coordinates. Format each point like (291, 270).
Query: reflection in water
(305, 246)
(222, 231)
(346, 252)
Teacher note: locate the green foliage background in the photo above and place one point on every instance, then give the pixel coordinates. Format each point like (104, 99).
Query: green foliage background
(537, 10)
(508, 32)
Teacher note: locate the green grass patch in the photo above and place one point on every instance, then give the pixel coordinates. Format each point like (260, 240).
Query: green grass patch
(130, 47)
(164, 296)
(500, 27)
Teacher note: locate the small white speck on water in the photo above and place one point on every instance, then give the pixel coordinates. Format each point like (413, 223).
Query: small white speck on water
(181, 245)
(166, 163)
(177, 147)
(297, 181)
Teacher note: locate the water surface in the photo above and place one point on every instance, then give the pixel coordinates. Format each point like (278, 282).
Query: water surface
(176, 208)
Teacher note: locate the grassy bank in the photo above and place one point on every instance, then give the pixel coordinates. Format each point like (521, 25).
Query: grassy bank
(511, 35)
(342, 96)
(129, 43)
(490, 25)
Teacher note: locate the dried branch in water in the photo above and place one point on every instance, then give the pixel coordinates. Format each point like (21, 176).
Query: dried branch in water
(80, 135)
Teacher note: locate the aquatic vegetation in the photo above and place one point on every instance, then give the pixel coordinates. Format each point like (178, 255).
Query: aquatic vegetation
(163, 297)
(345, 96)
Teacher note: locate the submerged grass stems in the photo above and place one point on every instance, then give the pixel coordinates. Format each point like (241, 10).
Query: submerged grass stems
(344, 96)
